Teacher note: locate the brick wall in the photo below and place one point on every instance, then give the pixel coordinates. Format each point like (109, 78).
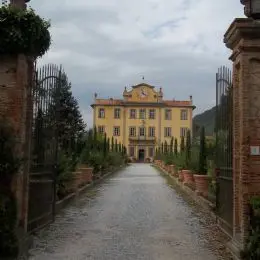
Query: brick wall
(243, 38)
(15, 107)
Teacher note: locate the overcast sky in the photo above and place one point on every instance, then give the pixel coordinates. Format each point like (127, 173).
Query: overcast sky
(105, 45)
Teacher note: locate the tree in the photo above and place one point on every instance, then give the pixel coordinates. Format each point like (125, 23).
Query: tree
(105, 145)
(112, 145)
(95, 139)
(171, 146)
(165, 147)
(108, 144)
(188, 148)
(63, 114)
(162, 148)
(119, 147)
(175, 147)
(116, 147)
(182, 147)
(203, 155)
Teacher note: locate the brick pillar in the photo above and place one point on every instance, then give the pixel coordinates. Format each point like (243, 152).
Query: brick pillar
(15, 106)
(243, 38)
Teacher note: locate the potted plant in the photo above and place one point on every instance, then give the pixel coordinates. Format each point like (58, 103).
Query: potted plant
(201, 178)
(180, 163)
(187, 173)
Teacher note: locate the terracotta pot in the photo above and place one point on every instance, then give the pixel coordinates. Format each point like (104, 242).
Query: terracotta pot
(202, 184)
(176, 172)
(171, 169)
(180, 176)
(86, 174)
(188, 177)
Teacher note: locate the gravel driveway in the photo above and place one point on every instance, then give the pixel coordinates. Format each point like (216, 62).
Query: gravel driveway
(133, 215)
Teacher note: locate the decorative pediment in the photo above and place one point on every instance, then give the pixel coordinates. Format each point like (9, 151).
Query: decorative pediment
(143, 92)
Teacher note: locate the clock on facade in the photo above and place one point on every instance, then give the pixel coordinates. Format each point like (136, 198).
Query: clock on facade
(143, 93)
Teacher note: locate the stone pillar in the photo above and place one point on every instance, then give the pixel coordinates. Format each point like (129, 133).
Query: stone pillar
(243, 38)
(15, 106)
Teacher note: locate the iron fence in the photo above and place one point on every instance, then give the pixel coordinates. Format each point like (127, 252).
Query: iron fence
(44, 146)
(224, 147)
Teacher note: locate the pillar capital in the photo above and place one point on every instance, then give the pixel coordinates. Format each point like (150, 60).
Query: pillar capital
(243, 34)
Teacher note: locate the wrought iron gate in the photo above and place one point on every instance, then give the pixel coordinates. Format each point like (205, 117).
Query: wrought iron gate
(44, 146)
(224, 152)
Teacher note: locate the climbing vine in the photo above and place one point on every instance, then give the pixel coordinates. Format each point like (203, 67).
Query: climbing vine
(23, 32)
(9, 165)
(252, 248)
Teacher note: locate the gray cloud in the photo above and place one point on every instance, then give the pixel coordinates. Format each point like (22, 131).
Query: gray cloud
(107, 45)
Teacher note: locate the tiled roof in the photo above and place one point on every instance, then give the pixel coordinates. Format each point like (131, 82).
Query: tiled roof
(115, 102)
(118, 102)
(177, 103)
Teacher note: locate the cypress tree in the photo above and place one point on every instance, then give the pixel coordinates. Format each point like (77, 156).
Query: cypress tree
(95, 139)
(122, 149)
(112, 145)
(116, 146)
(108, 144)
(182, 148)
(119, 147)
(175, 147)
(171, 146)
(165, 147)
(203, 155)
(162, 149)
(188, 148)
(105, 145)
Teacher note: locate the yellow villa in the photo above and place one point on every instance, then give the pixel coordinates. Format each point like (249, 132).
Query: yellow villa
(142, 119)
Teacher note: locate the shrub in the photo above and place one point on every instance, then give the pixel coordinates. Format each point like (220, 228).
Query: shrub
(9, 166)
(66, 165)
(96, 160)
(22, 31)
(252, 247)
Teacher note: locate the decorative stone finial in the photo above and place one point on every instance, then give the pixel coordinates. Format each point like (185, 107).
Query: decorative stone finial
(95, 95)
(252, 8)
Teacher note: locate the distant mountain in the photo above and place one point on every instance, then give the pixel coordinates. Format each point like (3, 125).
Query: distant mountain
(206, 119)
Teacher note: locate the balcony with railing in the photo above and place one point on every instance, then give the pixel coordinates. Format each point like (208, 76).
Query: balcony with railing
(142, 138)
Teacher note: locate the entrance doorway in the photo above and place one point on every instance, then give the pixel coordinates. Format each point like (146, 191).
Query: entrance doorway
(141, 155)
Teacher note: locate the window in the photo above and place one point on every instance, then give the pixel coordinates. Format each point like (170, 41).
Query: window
(101, 129)
(131, 151)
(116, 131)
(101, 113)
(167, 132)
(142, 113)
(150, 151)
(184, 114)
(184, 131)
(151, 131)
(152, 114)
(117, 113)
(168, 114)
(132, 113)
(141, 131)
(132, 131)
